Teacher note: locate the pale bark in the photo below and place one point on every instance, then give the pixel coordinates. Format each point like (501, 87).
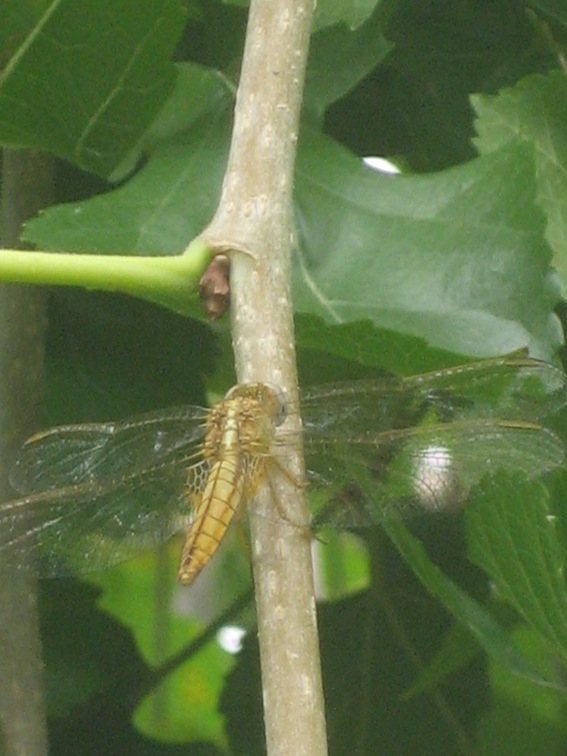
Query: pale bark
(254, 225)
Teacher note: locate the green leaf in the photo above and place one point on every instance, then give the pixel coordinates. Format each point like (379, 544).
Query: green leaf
(458, 649)
(353, 13)
(452, 258)
(364, 346)
(140, 595)
(199, 93)
(341, 565)
(167, 203)
(533, 112)
(84, 80)
(513, 535)
(338, 59)
(555, 8)
(146, 217)
(157, 212)
(521, 719)
(490, 636)
(328, 12)
(82, 647)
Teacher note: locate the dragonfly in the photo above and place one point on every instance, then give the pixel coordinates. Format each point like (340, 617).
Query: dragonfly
(97, 494)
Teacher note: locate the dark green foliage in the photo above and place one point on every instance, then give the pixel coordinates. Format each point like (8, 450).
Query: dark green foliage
(458, 258)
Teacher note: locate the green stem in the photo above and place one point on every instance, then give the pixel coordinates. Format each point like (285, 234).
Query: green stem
(164, 280)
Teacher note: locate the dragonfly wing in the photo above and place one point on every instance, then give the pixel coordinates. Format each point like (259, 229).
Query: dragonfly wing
(427, 468)
(501, 389)
(89, 526)
(100, 452)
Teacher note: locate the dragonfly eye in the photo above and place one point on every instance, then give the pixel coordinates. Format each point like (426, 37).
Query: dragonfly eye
(267, 395)
(278, 396)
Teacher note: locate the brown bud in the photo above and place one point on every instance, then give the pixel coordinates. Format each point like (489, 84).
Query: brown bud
(214, 287)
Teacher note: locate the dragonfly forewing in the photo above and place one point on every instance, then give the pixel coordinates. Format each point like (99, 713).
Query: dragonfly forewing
(97, 494)
(457, 427)
(504, 388)
(99, 453)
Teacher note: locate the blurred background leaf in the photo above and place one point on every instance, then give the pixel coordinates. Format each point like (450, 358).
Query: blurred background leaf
(451, 260)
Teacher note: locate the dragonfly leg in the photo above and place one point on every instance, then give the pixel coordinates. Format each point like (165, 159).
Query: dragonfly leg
(286, 472)
(298, 484)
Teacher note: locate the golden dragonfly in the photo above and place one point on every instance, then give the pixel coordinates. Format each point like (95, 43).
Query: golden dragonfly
(97, 494)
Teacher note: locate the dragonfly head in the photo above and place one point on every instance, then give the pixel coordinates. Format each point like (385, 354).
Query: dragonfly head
(269, 397)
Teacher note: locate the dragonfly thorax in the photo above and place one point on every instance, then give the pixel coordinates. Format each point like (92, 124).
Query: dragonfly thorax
(245, 421)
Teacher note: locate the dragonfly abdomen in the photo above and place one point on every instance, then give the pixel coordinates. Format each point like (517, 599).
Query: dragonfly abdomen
(220, 500)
